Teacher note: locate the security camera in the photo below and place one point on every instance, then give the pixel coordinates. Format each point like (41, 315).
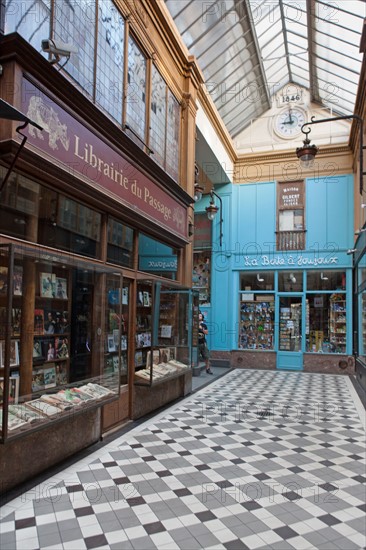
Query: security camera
(58, 49)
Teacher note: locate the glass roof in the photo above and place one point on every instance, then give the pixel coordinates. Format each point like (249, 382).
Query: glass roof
(250, 49)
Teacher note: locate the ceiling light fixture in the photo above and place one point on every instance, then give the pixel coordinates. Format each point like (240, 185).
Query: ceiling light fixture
(323, 277)
(259, 278)
(212, 210)
(307, 153)
(198, 190)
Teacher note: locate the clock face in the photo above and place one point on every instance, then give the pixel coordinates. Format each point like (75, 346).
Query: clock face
(288, 123)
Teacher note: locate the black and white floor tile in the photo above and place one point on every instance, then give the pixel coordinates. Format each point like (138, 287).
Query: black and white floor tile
(255, 460)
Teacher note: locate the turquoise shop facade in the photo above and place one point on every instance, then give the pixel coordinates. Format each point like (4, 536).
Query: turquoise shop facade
(248, 251)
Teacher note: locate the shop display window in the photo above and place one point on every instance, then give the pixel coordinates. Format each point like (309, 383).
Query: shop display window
(327, 326)
(361, 307)
(362, 324)
(165, 338)
(201, 277)
(116, 341)
(55, 316)
(263, 280)
(326, 280)
(290, 281)
(34, 213)
(256, 318)
(120, 243)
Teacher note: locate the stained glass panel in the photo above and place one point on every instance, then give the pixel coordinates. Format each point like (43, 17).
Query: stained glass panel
(136, 89)
(110, 59)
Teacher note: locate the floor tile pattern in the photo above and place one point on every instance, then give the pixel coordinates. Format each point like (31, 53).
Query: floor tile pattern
(255, 460)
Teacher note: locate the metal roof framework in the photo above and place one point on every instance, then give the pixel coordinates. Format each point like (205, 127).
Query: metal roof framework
(250, 49)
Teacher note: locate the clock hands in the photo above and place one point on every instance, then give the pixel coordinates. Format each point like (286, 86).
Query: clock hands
(290, 117)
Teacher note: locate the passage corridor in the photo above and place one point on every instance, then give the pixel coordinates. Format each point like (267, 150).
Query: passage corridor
(257, 459)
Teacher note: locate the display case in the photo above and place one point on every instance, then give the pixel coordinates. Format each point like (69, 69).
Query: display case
(165, 339)
(116, 342)
(53, 329)
(201, 276)
(337, 322)
(257, 324)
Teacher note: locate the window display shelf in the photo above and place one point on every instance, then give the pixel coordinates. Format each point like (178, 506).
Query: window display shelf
(337, 323)
(256, 325)
(49, 303)
(163, 347)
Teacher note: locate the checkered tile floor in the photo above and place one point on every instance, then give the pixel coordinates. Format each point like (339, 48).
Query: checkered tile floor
(258, 459)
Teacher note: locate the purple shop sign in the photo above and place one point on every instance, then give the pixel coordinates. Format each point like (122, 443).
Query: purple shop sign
(85, 155)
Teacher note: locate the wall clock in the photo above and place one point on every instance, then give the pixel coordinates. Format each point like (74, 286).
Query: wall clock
(288, 122)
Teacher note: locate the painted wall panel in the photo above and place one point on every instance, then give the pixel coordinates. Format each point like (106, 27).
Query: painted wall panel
(315, 212)
(329, 213)
(266, 216)
(339, 214)
(254, 217)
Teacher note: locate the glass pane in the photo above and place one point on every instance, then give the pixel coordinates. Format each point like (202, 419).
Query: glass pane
(201, 277)
(136, 89)
(54, 355)
(116, 345)
(290, 220)
(158, 258)
(172, 138)
(327, 323)
(362, 328)
(173, 337)
(257, 281)
(290, 324)
(37, 214)
(337, 323)
(256, 322)
(326, 280)
(75, 23)
(19, 206)
(110, 59)
(158, 116)
(143, 358)
(30, 20)
(120, 243)
(290, 281)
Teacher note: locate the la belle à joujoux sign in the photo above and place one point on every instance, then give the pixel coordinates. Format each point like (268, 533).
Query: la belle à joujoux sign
(288, 261)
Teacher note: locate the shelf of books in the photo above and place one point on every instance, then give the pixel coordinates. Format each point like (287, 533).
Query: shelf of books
(40, 348)
(116, 348)
(51, 335)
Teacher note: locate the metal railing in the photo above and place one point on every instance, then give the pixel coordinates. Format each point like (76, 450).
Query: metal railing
(291, 240)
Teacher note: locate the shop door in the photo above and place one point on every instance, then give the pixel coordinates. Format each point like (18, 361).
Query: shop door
(81, 326)
(290, 354)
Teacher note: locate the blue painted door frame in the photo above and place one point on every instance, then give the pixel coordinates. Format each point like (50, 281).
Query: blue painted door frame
(289, 359)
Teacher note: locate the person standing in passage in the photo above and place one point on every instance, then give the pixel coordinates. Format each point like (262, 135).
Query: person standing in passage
(202, 344)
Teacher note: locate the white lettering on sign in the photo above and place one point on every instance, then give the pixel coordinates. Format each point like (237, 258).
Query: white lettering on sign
(288, 261)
